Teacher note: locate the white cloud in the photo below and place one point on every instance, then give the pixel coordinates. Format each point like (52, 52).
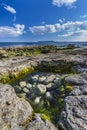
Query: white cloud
(14, 31)
(68, 26)
(60, 3)
(70, 29)
(83, 16)
(9, 8)
(61, 20)
(43, 29)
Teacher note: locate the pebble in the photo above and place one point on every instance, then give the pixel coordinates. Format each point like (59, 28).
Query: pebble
(50, 79)
(42, 79)
(35, 78)
(41, 88)
(37, 100)
(50, 85)
(29, 86)
(22, 84)
(48, 95)
(25, 90)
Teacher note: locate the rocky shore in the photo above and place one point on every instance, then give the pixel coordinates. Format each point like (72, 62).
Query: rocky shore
(45, 90)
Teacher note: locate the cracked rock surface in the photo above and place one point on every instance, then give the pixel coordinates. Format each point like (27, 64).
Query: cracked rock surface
(74, 116)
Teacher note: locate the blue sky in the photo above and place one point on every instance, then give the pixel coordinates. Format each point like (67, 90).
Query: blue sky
(34, 20)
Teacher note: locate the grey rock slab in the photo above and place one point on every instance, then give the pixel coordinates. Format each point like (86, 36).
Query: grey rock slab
(76, 113)
(75, 80)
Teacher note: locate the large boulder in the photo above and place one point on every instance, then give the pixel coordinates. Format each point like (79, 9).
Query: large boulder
(14, 112)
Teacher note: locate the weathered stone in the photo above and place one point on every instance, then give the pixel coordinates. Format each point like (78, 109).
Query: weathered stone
(75, 114)
(14, 111)
(76, 119)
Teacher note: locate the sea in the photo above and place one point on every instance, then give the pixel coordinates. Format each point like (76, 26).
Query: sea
(40, 43)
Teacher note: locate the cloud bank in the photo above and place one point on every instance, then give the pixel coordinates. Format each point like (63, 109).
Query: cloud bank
(14, 31)
(53, 28)
(68, 29)
(60, 3)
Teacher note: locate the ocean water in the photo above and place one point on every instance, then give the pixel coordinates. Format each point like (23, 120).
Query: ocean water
(8, 44)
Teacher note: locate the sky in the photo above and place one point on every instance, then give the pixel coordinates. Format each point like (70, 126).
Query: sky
(43, 20)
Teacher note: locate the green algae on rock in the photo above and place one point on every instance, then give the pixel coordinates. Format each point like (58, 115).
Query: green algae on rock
(11, 78)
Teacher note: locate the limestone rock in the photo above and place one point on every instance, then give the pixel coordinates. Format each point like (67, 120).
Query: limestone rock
(14, 111)
(39, 124)
(75, 109)
(76, 119)
(76, 80)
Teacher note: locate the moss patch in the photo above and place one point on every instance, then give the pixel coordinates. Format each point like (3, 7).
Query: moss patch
(12, 78)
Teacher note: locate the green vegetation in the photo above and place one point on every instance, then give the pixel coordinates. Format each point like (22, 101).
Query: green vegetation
(13, 77)
(35, 50)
